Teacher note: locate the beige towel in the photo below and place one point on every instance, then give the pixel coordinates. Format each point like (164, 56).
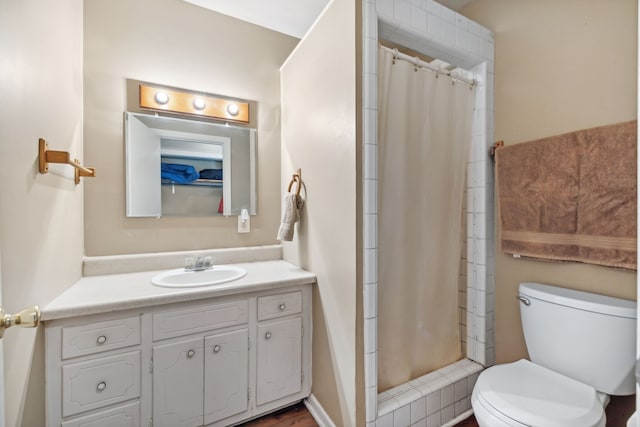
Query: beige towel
(571, 197)
(289, 217)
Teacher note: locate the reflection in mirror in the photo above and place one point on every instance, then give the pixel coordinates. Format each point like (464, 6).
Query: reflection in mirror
(178, 167)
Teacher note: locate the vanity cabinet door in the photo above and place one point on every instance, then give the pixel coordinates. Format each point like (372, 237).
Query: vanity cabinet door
(178, 381)
(226, 375)
(279, 358)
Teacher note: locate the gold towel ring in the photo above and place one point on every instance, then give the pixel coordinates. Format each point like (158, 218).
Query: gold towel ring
(294, 179)
(297, 178)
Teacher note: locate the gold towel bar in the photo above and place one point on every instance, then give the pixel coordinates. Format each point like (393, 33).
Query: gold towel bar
(494, 147)
(46, 156)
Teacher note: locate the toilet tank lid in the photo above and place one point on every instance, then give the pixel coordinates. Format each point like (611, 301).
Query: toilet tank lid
(580, 300)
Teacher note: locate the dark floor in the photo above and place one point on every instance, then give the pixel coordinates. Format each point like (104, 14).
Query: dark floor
(618, 412)
(293, 416)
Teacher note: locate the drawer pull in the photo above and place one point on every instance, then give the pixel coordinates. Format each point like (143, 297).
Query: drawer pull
(191, 353)
(101, 339)
(217, 348)
(101, 386)
(282, 307)
(267, 335)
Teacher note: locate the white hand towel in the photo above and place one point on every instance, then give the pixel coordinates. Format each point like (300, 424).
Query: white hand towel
(289, 218)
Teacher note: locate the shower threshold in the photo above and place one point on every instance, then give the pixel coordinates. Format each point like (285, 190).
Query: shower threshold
(441, 397)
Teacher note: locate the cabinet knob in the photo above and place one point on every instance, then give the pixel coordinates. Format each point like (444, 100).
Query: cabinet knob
(101, 339)
(282, 307)
(267, 335)
(217, 348)
(101, 386)
(191, 353)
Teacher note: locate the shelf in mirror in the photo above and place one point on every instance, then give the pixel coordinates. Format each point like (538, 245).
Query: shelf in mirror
(197, 182)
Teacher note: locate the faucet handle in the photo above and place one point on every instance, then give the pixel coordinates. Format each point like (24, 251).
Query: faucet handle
(208, 262)
(199, 262)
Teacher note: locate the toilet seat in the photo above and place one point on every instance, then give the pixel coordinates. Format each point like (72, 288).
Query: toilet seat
(523, 393)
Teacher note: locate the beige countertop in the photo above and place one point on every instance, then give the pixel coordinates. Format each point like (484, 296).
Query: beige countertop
(115, 292)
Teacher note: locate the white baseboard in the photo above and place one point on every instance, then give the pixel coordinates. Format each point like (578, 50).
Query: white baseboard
(317, 412)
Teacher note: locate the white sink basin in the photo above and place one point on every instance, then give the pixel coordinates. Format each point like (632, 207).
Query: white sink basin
(180, 278)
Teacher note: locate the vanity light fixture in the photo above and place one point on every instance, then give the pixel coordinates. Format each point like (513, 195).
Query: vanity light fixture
(199, 104)
(161, 97)
(181, 101)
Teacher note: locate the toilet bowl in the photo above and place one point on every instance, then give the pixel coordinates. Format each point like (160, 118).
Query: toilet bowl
(582, 348)
(522, 394)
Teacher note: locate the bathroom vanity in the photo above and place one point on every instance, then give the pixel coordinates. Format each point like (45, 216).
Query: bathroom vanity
(121, 351)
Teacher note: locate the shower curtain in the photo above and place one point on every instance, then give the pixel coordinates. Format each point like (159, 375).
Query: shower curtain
(424, 137)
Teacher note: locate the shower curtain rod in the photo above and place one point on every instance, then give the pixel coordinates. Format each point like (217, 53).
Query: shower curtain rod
(422, 64)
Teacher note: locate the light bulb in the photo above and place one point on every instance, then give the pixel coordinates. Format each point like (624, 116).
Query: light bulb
(233, 109)
(199, 104)
(161, 98)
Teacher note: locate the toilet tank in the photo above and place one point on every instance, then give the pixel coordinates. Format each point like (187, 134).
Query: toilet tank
(590, 338)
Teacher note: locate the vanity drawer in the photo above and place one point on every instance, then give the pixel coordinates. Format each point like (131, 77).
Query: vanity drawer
(200, 318)
(273, 306)
(127, 415)
(100, 336)
(99, 382)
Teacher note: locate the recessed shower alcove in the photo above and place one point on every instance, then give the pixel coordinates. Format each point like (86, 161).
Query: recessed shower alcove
(440, 397)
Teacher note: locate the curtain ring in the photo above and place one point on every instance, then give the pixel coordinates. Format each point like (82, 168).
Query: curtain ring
(395, 55)
(416, 63)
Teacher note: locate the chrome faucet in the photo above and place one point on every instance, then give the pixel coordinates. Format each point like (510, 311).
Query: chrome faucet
(198, 263)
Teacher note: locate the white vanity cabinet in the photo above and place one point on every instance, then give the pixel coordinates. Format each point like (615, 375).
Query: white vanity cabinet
(205, 378)
(214, 362)
(279, 357)
(94, 371)
(217, 364)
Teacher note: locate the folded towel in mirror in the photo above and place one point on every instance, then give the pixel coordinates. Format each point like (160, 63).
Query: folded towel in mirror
(178, 172)
(211, 174)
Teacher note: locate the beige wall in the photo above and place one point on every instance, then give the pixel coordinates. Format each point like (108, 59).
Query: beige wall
(559, 66)
(41, 215)
(319, 135)
(174, 43)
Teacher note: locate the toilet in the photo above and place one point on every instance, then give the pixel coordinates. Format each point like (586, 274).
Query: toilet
(582, 348)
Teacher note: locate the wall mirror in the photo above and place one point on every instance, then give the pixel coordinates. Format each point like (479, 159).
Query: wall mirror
(181, 167)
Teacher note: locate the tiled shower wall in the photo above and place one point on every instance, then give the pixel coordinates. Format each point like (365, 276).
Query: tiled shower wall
(462, 277)
(441, 397)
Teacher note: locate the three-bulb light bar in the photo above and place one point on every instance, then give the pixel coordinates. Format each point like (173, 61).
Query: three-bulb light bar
(205, 105)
